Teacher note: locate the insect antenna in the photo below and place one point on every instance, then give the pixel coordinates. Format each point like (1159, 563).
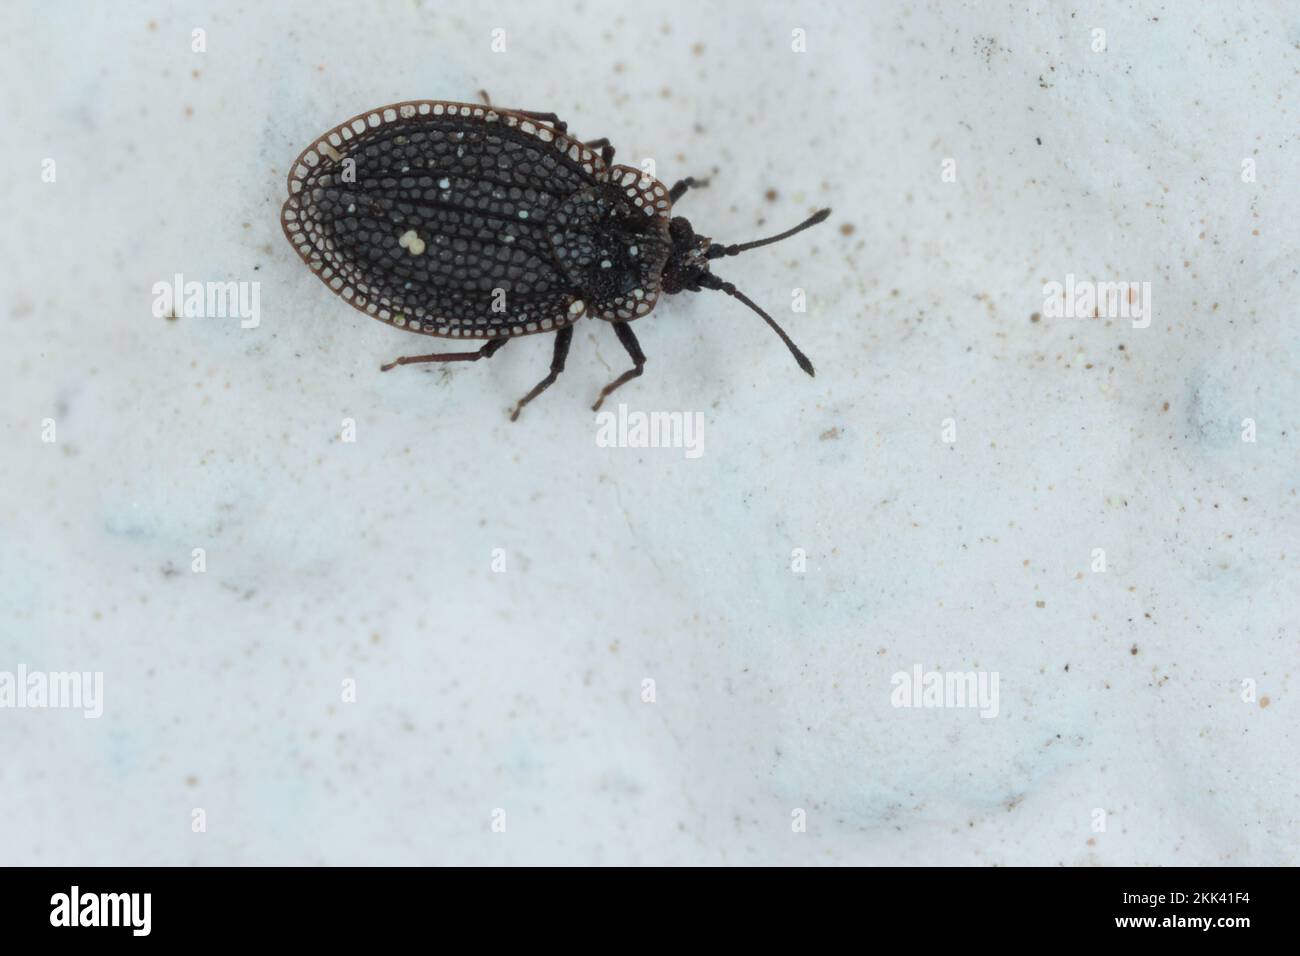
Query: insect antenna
(709, 281)
(717, 251)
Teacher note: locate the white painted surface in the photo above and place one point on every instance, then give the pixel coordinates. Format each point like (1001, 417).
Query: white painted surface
(372, 560)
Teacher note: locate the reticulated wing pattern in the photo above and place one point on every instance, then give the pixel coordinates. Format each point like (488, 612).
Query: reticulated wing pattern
(436, 217)
(648, 196)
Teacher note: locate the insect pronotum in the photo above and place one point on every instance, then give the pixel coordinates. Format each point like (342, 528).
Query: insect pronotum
(472, 222)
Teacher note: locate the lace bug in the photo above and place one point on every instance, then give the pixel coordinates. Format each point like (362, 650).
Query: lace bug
(474, 222)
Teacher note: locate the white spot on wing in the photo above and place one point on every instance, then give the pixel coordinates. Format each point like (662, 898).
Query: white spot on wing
(411, 241)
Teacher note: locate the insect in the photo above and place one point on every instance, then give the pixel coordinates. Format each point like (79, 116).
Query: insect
(472, 222)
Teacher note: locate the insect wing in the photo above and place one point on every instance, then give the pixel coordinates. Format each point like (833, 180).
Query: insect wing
(434, 217)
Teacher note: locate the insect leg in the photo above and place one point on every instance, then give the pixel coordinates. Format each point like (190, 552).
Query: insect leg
(606, 150)
(624, 333)
(562, 340)
(555, 121)
(487, 351)
(551, 118)
(679, 189)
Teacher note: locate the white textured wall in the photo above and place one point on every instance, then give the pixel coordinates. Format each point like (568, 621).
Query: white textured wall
(476, 690)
